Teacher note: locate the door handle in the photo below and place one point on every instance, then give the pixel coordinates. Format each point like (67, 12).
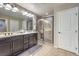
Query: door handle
(75, 30)
(59, 32)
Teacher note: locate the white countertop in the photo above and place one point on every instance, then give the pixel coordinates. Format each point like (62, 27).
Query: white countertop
(15, 34)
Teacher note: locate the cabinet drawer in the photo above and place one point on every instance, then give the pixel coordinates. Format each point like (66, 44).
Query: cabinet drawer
(25, 41)
(26, 46)
(26, 36)
(16, 37)
(31, 35)
(3, 40)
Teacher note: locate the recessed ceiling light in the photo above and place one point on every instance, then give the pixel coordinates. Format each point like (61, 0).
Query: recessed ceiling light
(8, 7)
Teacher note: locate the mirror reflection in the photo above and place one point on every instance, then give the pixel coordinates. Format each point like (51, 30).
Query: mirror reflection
(14, 18)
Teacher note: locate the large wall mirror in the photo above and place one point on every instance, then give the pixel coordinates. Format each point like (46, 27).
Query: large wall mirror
(15, 20)
(30, 24)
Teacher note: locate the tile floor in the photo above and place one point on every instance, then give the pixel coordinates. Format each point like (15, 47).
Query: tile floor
(46, 49)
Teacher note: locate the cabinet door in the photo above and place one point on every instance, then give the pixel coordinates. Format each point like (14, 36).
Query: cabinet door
(5, 48)
(32, 40)
(25, 46)
(17, 43)
(26, 37)
(35, 39)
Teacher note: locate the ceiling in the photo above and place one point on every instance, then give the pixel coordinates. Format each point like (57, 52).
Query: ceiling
(41, 9)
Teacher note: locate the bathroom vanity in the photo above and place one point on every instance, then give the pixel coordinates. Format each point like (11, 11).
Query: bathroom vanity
(17, 43)
(17, 31)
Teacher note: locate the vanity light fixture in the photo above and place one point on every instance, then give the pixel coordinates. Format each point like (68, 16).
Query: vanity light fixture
(30, 15)
(8, 7)
(15, 9)
(1, 5)
(24, 13)
(27, 14)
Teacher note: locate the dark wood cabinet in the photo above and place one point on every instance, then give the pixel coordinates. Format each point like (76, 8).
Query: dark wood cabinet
(17, 42)
(26, 38)
(32, 39)
(35, 39)
(5, 46)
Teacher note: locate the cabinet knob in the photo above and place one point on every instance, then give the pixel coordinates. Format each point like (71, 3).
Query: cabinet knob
(75, 30)
(59, 32)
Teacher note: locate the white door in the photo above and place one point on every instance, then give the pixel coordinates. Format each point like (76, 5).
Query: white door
(68, 30)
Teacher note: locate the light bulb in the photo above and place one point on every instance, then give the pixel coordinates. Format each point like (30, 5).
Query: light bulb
(15, 9)
(8, 7)
(24, 12)
(30, 15)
